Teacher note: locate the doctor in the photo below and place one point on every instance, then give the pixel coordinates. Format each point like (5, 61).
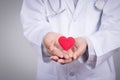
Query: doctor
(95, 25)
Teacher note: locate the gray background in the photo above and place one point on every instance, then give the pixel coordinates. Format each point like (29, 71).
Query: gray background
(18, 61)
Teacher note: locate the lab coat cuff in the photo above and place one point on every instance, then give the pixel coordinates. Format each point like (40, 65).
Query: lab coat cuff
(92, 58)
(84, 57)
(89, 57)
(45, 54)
(44, 51)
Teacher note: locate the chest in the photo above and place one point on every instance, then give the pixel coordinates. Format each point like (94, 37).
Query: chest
(62, 14)
(73, 8)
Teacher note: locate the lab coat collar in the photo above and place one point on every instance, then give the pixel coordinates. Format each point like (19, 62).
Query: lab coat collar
(99, 4)
(74, 12)
(79, 7)
(70, 5)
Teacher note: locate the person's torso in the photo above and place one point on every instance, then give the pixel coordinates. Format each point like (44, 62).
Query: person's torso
(69, 20)
(82, 20)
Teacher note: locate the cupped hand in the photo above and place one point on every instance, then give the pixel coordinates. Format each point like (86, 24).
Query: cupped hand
(74, 53)
(50, 41)
(79, 48)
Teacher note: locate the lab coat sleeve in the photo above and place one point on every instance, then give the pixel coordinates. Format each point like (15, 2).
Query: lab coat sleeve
(34, 20)
(103, 43)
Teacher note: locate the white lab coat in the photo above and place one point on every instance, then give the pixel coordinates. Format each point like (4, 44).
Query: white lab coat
(96, 20)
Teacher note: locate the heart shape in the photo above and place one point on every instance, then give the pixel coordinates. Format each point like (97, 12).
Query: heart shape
(66, 43)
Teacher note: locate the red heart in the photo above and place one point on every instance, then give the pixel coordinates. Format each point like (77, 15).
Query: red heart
(66, 43)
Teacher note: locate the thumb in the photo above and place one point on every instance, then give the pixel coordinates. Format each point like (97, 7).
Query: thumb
(51, 46)
(77, 54)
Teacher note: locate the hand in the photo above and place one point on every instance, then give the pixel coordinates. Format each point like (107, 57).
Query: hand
(63, 60)
(75, 52)
(79, 48)
(51, 43)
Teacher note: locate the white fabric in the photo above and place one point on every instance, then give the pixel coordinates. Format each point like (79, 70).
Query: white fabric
(75, 2)
(96, 20)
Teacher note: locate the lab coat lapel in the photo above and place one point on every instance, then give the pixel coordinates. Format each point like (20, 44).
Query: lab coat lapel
(80, 6)
(70, 6)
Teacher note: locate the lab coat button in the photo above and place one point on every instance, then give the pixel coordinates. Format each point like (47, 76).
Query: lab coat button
(71, 73)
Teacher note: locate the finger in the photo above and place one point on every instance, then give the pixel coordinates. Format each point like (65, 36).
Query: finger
(68, 60)
(48, 44)
(51, 46)
(55, 58)
(56, 52)
(57, 45)
(74, 48)
(63, 61)
(77, 53)
(59, 53)
(70, 53)
(74, 56)
(65, 55)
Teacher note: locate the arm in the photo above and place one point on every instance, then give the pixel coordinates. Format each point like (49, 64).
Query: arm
(103, 43)
(37, 29)
(98, 47)
(35, 24)
(33, 17)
